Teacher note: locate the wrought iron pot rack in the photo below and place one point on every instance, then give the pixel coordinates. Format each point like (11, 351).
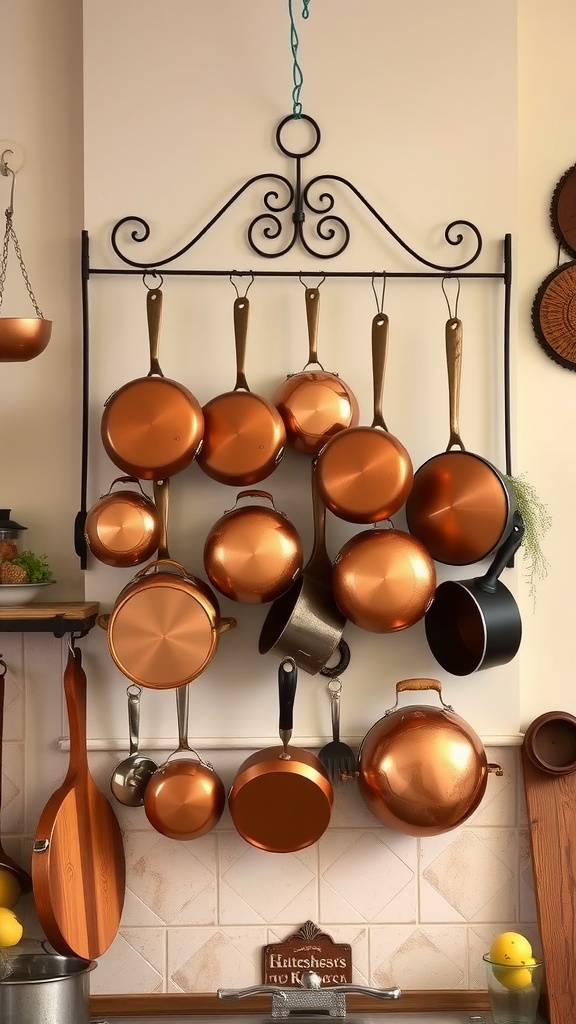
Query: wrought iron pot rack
(289, 205)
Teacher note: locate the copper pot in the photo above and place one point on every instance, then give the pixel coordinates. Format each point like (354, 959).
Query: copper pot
(422, 770)
(365, 473)
(123, 527)
(314, 403)
(253, 554)
(244, 434)
(184, 799)
(383, 580)
(281, 798)
(460, 505)
(152, 427)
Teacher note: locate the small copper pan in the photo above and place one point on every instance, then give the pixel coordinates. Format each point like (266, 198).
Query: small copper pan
(123, 527)
(244, 434)
(184, 799)
(365, 473)
(460, 506)
(314, 403)
(384, 580)
(281, 798)
(253, 554)
(152, 427)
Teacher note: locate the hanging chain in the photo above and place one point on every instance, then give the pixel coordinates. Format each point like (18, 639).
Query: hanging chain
(10, 235)
(297, 76)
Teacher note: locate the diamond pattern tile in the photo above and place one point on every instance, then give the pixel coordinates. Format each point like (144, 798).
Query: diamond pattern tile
(472, 872)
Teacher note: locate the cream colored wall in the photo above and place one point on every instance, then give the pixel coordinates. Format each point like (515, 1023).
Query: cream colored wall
(191, 906)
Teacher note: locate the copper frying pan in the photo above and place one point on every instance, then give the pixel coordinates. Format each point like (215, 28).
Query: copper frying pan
(152, 427)
(184, 799)
(244, 434)
(314, 403)
(123, 527)
(460, 506)
(365, 473)
(383, 580)
(281, 798)
(165, 626)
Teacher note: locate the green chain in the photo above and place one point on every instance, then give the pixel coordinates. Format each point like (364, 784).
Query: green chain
(297, 76)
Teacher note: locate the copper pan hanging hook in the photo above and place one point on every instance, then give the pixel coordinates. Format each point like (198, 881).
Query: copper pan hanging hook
(6, 170)
(155, 275)
(379, 302)
(450, 277)
(236, 273)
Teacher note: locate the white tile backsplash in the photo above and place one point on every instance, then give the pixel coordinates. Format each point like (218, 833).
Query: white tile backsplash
(418, 912)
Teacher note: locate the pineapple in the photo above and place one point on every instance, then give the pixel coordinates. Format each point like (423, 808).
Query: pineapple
(12, 573)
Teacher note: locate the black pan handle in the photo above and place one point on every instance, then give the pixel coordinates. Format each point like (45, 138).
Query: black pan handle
(507, 549)
(287, 678)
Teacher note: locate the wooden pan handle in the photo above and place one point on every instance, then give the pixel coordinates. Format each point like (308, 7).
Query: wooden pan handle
(241, 311)
(154, 316)
(312, 314)
(75, 693)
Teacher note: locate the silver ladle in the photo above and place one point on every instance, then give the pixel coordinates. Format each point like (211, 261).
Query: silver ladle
(132, 774)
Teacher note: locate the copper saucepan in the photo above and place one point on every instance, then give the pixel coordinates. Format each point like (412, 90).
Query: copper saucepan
(422, 770)
(305, 622)
(244, 434)
(365, 473)
(314, 403)
(383, 580)
(165, 626)
(184, 799)
(152, 427)
(122, 528)
(460, 505)
(253, 554)
(281, 798)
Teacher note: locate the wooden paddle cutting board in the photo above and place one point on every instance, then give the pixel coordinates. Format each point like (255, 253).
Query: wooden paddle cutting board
(551, 805)
(78, 863)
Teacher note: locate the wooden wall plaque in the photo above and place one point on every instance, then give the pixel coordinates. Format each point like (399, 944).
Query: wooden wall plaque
(308, 949)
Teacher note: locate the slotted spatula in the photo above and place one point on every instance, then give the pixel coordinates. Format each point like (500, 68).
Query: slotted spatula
(338, 758)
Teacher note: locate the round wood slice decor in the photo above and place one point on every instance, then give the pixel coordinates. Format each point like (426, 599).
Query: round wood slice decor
(563, 211)
(554, 315)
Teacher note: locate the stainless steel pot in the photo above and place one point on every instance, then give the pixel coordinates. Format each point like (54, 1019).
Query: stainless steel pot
(45, 987)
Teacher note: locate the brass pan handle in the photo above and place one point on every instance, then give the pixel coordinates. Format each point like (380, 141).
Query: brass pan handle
(454, 363)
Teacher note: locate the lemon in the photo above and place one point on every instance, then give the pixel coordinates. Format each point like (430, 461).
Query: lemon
(510, 949)
(515, 978)
(9, 889)
(11, 930)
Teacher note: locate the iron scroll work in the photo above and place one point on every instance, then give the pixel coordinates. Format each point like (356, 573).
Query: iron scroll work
(290, 205)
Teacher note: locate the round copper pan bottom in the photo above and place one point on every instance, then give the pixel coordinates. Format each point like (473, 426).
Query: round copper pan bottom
(383, 580)
(123, 530)
(184, 799)
(280, 806)
(315, 406)
(244, 438)
(161, 636)
(364, 475)
(152, 427)
(458, 507)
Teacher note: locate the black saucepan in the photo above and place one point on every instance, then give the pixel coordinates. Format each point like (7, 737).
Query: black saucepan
(475, 624)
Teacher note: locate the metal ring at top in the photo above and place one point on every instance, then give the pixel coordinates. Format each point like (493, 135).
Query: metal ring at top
(302, 117)
(155, 274)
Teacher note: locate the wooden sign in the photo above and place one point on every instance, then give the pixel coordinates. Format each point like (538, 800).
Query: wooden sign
(308, 949)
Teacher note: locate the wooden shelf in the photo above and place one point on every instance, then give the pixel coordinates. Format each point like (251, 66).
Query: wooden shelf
(58, 618)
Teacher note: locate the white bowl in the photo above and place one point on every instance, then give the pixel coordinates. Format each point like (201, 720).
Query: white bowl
(16, 594)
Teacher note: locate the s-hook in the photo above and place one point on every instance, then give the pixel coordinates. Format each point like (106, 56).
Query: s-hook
(237, 273)
(379, 302)
(450, 277)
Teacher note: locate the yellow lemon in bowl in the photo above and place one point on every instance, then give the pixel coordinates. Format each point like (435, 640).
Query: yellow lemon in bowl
(11, 930)
(510, 949)
(10, 890)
